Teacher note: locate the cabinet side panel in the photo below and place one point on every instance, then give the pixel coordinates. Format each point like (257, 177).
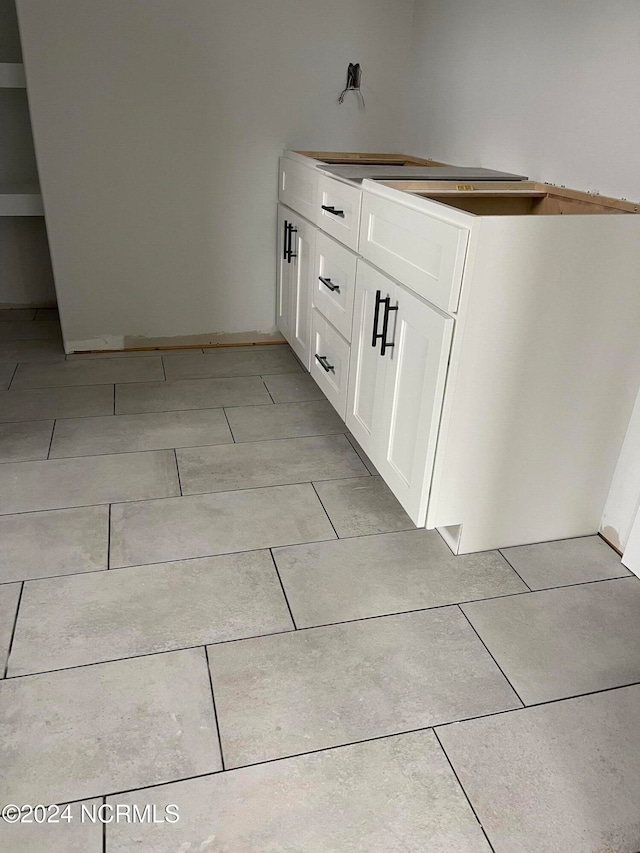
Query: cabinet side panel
(545, 368)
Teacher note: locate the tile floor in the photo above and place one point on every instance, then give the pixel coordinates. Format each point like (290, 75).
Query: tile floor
(210, 600)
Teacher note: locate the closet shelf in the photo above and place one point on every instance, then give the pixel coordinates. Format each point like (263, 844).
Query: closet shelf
(12, 75)
(20, 201)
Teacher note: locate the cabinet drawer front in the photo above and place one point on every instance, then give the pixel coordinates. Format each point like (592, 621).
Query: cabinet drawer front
(329, 362)
(424, 253)
(339, 210)
(334, 283)
(298, 187)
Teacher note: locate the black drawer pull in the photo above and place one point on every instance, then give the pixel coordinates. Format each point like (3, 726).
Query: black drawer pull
(324, 364)
(328, 283)
(331, 209)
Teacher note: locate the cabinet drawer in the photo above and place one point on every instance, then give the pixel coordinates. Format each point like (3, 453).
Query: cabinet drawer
(298, 187)
(424, 253)
(334, 282)
(329, 362)
(339, 210)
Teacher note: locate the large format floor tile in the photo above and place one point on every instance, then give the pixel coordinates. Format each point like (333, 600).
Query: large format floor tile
(22, 442)
(78, 834)
(26, 351)
(561, 778)
(70, 621)
(86, 732)
(388, 573)
(292, 693)
(204, 525)
(362, 507)
(58, 483)
(45, 403)
(286, 420)
(191, 394)
(9, 596)
(267, 463)
(568, 561)
(395, 795)
(566, 641)
(58, 542)
(6, 374)
(124, 433)
(243, 361)
(26, 330)
(292, 388)
(96, 372)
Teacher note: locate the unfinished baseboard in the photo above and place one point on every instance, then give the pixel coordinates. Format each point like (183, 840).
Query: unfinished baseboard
(113, 343)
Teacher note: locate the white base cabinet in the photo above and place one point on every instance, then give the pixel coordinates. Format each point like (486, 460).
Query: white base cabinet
(479, 340)
(397, 376)
(296, 241)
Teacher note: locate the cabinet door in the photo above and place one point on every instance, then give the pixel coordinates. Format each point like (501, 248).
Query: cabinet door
(284, 303)
(367, 367)
(303, 245)
(412, 399)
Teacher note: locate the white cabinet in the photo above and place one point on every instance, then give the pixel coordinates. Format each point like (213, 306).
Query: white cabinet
(399, 359)
(329, 362)
(298, 187)
(366, 368)
(339, 210)
(425, 253)
(296, 241)
(284, 298)
(334, 282)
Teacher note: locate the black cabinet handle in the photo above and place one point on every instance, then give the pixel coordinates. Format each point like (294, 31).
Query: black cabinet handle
(382, 336)
(331, 209)
(385, 325)
(322, 359)
(376, 314)
(328, 283)
(290, 252)
(286, 240)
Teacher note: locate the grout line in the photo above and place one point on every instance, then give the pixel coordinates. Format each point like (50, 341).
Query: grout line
(53, 429)
(108, 545)
(13, 376)
(268, 392)
(453, 769)
(509, 563)
(226, 417)
(175, 456)
(213, 700)
(324, 508)
(284, 592)
(13, 631)
(490, 653)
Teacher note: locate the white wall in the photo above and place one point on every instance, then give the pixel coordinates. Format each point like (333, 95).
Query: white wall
(158, 126)
(548, 89)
